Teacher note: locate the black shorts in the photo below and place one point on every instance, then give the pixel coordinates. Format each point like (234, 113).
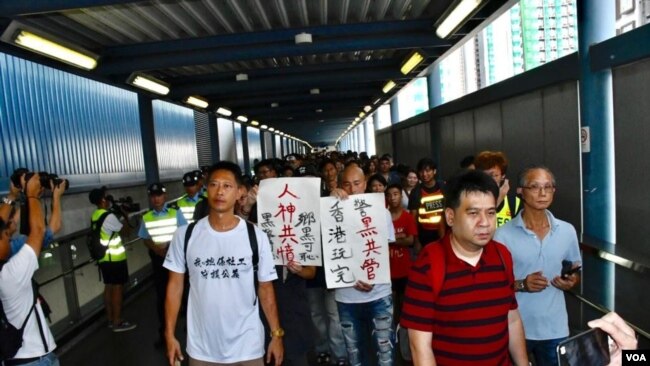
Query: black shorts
(114, 273)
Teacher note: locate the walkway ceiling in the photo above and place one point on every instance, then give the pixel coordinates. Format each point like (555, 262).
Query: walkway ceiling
(199, 46)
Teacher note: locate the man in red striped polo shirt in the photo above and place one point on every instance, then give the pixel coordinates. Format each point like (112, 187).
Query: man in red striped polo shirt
(468, 316)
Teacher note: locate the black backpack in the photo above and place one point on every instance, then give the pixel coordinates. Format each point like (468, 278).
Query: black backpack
(95, 248)
(12, 337)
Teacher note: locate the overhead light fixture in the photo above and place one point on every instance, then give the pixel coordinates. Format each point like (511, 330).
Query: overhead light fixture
(410, 64)
(377, 101)
(242, 118)
(362, 114)
(456, 17)
(255, 123)
(389, 85)
(197, 101)
(149, 83)
(224, 111)
(314, 91)
(275, 105)
(264, 127)
(302, 38)
(241, 77)
(321, 120)
(47, 47)
(319, 110)
(357, 119)
(367, 108)
(271, 129)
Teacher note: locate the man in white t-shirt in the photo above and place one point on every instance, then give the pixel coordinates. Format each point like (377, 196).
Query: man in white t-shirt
(223, 322)
(16, 292)
(365, 306)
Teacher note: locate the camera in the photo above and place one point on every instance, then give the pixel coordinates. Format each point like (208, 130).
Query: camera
(125, 204)
(45, 178)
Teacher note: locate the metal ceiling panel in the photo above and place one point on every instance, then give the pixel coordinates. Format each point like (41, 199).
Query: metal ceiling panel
(198, 46)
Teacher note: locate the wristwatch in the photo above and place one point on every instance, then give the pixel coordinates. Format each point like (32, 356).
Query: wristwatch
(277, 333)
(520, 285)
(8, 201)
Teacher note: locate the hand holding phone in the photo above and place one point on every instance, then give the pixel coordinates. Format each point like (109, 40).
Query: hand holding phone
(568, 269)
(587, 348)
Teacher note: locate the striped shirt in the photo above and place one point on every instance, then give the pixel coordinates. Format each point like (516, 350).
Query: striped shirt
(469, 319)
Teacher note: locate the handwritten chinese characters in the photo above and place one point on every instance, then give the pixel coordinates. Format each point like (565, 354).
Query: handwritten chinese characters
(355, 244)
(288, 212)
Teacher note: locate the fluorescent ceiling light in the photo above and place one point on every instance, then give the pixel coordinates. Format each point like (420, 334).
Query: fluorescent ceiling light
(271, 129)
(367, 108)
(197, 101)
(319, 110)
(377, 101)
(302, 38)
(389, 85)
(242, 118)
(255, 123)
(411, 63)
(225, 112)
(264, 127)
(275, 105)
(362, 114)
(314, 91)
(54, 50)
(460, 13)
(149, 83)
(241, 77)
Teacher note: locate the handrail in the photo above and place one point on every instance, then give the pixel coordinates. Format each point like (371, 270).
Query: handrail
(615, 254)
(605, 310)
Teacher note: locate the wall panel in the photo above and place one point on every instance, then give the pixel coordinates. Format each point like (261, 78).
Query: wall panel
(384, 143)
(227, 150)
(631, 86)
(487, 125)
(58, 122)
(175, 139)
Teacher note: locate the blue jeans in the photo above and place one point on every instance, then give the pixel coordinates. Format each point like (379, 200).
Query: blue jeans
(358, 319)
(544, 352)
(47, 360)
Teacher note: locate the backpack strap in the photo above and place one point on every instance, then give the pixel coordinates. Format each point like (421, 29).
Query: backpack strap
(188, 235)
(252, 239)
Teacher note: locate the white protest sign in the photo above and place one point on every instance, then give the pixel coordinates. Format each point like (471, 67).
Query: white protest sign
(288, 212)
(355, 244)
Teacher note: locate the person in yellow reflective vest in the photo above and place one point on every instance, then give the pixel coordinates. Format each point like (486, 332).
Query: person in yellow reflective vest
(193, 194)
(113, 266)
(156, 230)
(426, 204)
(495, 164)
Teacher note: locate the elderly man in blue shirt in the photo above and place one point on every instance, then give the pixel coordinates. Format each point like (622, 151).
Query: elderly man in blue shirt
(539, 244)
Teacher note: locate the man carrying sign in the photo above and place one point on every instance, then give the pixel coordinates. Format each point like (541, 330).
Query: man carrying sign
(365, 306)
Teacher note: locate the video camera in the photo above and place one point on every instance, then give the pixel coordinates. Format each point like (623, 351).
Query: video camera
(125, 204)
(47, 179)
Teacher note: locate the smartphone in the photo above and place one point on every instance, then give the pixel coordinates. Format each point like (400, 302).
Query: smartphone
(587, 348)
(566, 274)
(567, 269)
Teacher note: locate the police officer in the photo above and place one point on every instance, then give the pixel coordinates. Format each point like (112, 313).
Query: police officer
(156, 230)
(193, 194)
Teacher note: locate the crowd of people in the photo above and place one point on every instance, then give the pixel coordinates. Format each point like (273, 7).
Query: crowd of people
(478, 268)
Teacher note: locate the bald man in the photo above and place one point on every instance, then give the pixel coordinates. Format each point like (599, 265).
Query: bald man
(364, 306)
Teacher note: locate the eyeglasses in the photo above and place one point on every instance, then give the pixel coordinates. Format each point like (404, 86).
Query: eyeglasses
(539, 189)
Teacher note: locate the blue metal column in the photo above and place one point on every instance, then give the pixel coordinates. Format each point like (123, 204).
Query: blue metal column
(149, 153)
(433, 84)
(273, 152)
(262, 144)
(244, 142)
(596, 22)
(394, 111)
(213, 130)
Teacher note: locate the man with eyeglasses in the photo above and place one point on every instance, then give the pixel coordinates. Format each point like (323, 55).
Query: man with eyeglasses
(541, 245)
